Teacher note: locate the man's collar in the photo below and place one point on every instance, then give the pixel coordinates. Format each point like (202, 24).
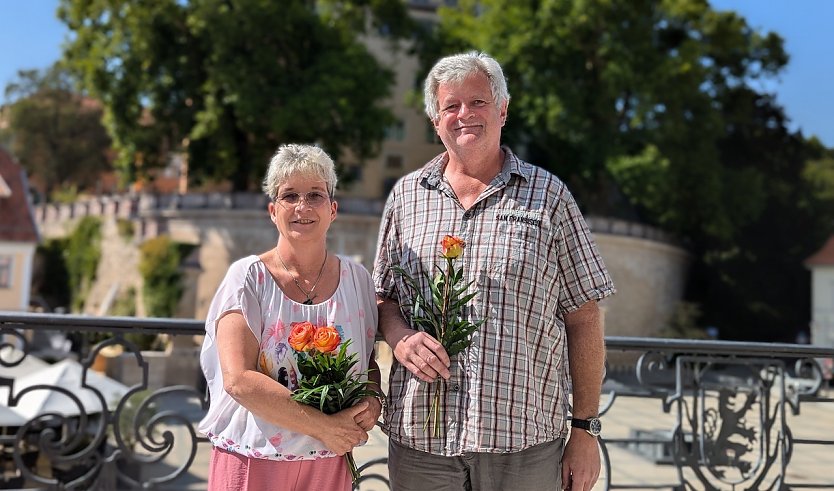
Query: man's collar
(513, 165)
(432, 172)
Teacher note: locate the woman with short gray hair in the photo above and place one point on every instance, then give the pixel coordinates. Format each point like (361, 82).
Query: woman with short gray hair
(262, 438)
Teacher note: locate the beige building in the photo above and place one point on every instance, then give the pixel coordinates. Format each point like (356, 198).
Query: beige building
(411, 141)
(18, 235)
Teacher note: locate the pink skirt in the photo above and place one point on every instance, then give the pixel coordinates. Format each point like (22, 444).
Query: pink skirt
(234, 472)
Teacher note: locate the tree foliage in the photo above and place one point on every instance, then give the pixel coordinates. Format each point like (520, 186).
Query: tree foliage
(55, 132)
(50, 277)
(227, 81)
(162, 276)
(81, 256)
(755, 286)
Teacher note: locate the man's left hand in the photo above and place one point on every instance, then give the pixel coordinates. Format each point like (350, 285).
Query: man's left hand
(367, 419)
(580, 462)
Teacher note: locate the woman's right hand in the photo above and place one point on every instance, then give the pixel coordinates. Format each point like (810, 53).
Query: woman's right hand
(342, 434)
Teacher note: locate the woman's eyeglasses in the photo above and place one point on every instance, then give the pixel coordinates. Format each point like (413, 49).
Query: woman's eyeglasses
(313, 198)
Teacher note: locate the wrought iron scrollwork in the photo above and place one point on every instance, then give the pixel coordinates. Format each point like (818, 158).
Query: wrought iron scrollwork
(731, 429)
(114, 448)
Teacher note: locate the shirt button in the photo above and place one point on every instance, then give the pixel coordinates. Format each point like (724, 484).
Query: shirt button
(456, 387)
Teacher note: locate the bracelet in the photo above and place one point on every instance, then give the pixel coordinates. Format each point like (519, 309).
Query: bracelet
(383, 401)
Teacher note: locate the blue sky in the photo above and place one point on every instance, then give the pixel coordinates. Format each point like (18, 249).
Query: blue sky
(31, 36)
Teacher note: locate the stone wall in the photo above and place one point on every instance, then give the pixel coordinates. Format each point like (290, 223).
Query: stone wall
(649, 276)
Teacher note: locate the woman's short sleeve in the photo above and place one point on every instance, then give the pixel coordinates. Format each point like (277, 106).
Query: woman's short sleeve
(238, 293)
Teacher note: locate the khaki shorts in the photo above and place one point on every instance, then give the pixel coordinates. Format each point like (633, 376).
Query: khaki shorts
(537, 468)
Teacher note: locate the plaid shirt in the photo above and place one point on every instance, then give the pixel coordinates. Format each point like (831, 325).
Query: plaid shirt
(532, 259)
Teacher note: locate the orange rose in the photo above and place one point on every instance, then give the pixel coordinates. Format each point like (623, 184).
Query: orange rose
(326, 339)
(301, 336)
(452, 246)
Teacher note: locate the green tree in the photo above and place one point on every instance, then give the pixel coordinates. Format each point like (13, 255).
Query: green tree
(754, 286)
(162, 277)
(55, 132)
(819, 174)
(227, 81)
(50, 278)
(82, 255)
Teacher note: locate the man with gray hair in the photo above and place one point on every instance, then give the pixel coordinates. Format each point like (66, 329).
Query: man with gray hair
(538, 277)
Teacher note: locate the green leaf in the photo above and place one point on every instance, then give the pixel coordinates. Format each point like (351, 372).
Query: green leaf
(461, 302)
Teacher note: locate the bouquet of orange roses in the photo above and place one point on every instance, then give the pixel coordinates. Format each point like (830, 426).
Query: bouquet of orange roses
(442, 315)
(326, 380)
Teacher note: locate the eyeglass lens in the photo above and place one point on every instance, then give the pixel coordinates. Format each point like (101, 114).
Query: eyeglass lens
(312, 198)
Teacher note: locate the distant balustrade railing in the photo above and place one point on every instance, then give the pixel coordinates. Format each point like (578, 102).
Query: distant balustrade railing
(615, 226)
(677, 414)
(149, 204)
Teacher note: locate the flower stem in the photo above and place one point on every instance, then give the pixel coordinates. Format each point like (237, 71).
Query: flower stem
(434, 411)
(354, 473)
(444, 311)
(437, 409)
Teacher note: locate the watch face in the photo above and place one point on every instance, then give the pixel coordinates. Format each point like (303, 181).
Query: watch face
(595, 426)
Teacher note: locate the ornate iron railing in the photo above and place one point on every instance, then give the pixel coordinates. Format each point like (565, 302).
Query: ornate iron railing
(79, 440)
(678, 414)
(733, 415)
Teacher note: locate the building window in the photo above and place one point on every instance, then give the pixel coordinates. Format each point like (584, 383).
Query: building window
(5, 271)
(353, 173)
(394, 162)
(395, 131)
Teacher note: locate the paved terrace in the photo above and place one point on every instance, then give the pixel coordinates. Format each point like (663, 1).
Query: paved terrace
(678, 415)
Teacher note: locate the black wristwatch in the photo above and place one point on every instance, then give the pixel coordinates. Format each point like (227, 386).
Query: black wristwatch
(592, 425)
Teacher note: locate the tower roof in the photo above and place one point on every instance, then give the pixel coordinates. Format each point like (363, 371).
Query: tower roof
(16, 221)
(824, 256)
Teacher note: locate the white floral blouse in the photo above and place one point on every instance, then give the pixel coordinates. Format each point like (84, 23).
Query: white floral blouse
(249, 288)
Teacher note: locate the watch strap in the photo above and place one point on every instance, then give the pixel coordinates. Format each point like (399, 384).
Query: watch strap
(583, 424)
(591, 425)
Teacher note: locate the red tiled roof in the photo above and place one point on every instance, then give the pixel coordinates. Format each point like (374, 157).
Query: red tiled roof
(16, 221)
(824, 256)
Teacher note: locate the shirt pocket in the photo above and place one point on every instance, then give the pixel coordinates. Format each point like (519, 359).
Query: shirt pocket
(508, 277)
(517, 246)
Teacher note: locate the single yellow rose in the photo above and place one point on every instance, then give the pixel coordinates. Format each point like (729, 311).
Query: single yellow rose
(452, 246)
(326, 339)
